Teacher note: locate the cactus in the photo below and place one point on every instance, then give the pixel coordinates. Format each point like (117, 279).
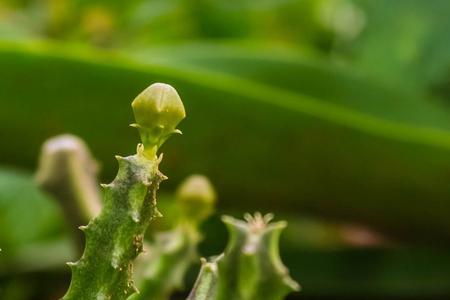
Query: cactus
(205, 287)
(68, 172)
(115, 237)
(168, 258)
(250, 268)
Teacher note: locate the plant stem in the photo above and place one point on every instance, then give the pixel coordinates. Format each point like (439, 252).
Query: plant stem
(115, 237)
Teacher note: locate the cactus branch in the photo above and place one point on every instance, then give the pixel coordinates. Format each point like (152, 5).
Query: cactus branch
(165, 264)
(250, 268)
(68, 172)
(206, 284)
(115, 237)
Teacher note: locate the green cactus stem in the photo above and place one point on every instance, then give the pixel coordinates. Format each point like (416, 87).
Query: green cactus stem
(205, 287)
(250, 268)
(115, 237)
(163, 267)
(68, 172)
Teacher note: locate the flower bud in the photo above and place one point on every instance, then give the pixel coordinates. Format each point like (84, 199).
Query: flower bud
(196, 197)
(157, 110)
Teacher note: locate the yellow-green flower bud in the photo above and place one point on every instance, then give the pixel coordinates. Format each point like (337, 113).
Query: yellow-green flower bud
(196, 197)
(157, 110)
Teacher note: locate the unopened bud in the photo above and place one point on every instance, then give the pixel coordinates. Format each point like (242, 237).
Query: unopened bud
(157, 110)
(196, 197)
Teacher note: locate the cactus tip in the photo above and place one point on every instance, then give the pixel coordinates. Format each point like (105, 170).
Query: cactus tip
(259, 222)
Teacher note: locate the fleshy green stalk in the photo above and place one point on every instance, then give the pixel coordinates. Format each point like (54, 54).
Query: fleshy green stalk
(250, 267)
(115, 237)
(205, 288)
(68, 172)
(164, 266)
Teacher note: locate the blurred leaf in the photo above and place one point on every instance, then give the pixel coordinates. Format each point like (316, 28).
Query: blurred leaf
(405, 41)
(337, 144)
(337, 85)
(31, 226)
(27, 215)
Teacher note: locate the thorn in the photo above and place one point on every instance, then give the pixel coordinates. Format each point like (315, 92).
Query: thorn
(161, 175)
(135, 125)
(178, 131)
(104, 185)
(159, 159)
(140, 148)
(71, 264)
(83, 227)
(118, 157)
(157, 214)
(135, 289)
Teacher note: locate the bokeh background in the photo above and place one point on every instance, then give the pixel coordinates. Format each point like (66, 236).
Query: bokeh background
(333, 114)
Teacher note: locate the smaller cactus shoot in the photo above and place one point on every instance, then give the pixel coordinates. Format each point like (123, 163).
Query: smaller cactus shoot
(162, 269)
(115, 237)
(250, 267)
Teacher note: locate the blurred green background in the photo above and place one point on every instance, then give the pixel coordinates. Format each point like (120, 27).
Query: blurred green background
(333, 114)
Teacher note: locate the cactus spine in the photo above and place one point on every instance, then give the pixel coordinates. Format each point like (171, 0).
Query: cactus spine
(115, 237)
(250, 268)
